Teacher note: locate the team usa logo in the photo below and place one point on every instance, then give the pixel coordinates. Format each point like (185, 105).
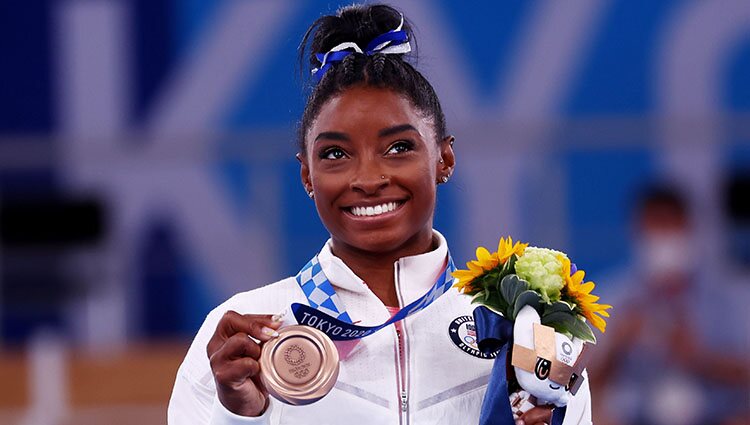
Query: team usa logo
(463, 333)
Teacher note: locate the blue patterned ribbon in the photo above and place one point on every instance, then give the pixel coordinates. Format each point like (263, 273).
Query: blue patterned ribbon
(496, 332)
(326, 312)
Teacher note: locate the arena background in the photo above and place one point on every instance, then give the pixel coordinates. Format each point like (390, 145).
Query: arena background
(147, 165)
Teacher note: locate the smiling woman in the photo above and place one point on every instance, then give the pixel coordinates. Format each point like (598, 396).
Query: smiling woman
(373, 151)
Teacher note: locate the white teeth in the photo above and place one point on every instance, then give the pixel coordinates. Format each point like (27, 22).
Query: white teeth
(373, 211)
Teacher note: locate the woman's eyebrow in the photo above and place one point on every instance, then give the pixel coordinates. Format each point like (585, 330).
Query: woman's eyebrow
(333, 135)
(396, 129)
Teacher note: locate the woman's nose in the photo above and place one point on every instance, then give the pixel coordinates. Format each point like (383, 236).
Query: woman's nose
(369, 178)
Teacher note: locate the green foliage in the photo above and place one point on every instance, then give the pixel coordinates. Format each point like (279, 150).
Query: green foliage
(511, 287)
(528, 297)
(563, 318)
(503, 291)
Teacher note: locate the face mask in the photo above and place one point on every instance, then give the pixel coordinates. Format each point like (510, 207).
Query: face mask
(665, 254)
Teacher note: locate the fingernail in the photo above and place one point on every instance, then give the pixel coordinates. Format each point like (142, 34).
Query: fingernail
(269, 332)
(278, 317)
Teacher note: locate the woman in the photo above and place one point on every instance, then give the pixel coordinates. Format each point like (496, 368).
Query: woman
(373, 149)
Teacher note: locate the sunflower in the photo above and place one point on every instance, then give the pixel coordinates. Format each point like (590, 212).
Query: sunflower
(506, 248)
(580, 294)
(487, 261)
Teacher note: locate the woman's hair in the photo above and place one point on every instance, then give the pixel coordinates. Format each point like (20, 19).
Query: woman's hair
(360, 24)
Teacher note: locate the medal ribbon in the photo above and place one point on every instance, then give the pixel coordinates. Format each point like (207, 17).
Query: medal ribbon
(326, 312)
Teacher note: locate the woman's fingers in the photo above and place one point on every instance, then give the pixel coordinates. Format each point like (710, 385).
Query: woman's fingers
(237, 346)
(262, 327)
(536, 416)
(234, 373)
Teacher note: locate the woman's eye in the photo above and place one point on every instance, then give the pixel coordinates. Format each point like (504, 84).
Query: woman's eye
(400, 147)
(333, 153)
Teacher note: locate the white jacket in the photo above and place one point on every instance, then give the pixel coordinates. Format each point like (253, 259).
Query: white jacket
(444, 383)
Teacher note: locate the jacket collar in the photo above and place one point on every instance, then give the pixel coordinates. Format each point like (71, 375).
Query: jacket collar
(414, 275)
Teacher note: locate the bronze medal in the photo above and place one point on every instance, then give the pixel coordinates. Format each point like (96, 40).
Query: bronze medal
(300, 366)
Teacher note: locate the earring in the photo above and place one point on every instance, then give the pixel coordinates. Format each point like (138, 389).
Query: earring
(310, 194)
(441, 160)
(382, 177)
(445, 179)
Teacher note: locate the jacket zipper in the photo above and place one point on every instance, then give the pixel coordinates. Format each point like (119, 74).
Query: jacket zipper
(402, 357)
(403, 395)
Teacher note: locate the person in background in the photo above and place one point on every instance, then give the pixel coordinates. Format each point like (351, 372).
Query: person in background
(661, 362)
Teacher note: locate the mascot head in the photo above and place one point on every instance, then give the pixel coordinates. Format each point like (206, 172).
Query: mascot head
(547, 364)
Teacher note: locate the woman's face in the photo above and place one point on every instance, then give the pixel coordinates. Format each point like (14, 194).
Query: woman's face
(373, 163)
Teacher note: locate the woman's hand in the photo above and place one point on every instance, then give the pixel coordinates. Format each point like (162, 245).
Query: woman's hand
(536, 416)
(234, 361)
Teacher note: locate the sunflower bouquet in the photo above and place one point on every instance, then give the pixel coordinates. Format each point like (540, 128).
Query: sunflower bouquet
(539, 297)
(517, 275)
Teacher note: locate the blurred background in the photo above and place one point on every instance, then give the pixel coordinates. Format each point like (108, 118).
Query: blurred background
(147, 173)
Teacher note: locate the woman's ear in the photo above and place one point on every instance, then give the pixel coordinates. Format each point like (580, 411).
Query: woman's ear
(304, 172)
(447, 157)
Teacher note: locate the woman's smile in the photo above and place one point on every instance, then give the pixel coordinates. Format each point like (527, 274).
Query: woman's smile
(379, 211)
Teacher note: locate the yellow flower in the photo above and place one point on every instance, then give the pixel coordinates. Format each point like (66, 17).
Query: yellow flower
(487, 261)
(506, 248)
(580, 294)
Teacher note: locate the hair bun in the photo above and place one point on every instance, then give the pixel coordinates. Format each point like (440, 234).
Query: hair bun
(333, 47)
(358, 24)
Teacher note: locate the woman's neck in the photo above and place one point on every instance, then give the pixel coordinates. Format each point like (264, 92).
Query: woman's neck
(376, 268)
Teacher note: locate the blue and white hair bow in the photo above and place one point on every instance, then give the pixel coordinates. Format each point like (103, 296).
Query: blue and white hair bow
(393, 42)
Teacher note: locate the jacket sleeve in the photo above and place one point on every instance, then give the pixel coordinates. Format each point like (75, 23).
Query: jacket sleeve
(195, 403)
(579, 408)
(221, 416)
(191, 401)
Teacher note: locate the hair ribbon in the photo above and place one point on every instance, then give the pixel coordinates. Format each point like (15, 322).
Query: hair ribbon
(395, 41)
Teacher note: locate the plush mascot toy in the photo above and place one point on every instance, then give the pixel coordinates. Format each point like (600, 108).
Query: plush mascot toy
(548, 365)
